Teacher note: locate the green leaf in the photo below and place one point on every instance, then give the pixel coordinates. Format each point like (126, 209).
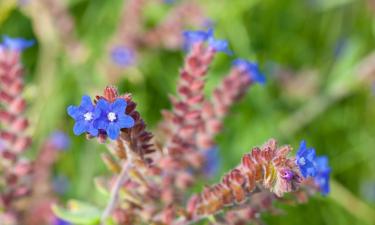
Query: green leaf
(78, 212)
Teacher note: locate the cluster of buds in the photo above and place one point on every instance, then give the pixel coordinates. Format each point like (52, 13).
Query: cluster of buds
(153, 187)
(263, 168)
(44, 191)
(131, 36)
(14, 169)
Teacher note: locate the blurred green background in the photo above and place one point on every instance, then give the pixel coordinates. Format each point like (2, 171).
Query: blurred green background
(316, 55)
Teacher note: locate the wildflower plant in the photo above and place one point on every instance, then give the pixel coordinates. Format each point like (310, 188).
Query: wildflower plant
(153, 174)
(15, 169)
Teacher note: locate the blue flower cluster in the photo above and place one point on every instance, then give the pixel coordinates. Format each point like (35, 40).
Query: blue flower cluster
(192, 37)
(122, 56)
(312, 166)
(212, 162)
(252, 69)
(104, 116)
(16, 44)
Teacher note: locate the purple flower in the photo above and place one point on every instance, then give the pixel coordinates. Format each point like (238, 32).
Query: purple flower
(122, 56)
(250, 68)
(192, 37)
(60, 140)
(58, 221)
(84, 115)
(305, 160)
(212, 162)
(322, 174)
(113, 117)
(17, 44)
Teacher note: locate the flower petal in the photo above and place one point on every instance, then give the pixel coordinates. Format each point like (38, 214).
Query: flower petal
(101, 124)
(86, 103)
(79, 127)
(103, 105)
(92, 130)
(113, 131)
(73, 111)
(119, 106)
(125, 121)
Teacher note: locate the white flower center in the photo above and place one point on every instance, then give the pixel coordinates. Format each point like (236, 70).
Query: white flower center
(111, 116)
(88, 116)
(302, 161)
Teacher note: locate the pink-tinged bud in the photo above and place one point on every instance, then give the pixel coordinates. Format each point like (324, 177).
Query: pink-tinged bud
(7, 137)
(204, 141)
(21, 144)
(214, 125)
(6, 154)
(110, 93)
(184, 180)
(6, 117)
(15, 88)
(22, 169)
(192, 204)
(17, 106)
(19, 124)
(5, 97)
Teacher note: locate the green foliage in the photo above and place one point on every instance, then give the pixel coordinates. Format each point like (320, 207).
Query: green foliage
(330, 38)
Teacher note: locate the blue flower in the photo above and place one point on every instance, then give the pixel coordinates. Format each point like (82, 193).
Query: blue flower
(60, 140)
(192, 37)
(212, 162)
(84, 115)
(60, 184)
(323, 174)
(58, 221)
(169, 1)
(305, 160)
(113, 117)
(122, 56)
(17, 44)
(250, 68)
(218, 44)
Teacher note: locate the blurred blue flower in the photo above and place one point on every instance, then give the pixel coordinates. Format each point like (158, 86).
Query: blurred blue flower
(60, 184)
(122, 56)
(212, 162)
(322, 174)
(305, 160)
(113, 117)
(60, 140)
(84, 115)
(16, 44)
(58, 221)
(252, 69)
(169, 1)
(192, 37)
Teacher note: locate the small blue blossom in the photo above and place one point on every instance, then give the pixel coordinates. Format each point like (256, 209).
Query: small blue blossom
(60, 184)
(113, 117)
(212, 162)
(122, 56)
(169, 1)
(323, 174)
(305, 160)
(251, 68)
(192, 37)
(58, 221)
(60, 140)
(84, 115)
(17, 44)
